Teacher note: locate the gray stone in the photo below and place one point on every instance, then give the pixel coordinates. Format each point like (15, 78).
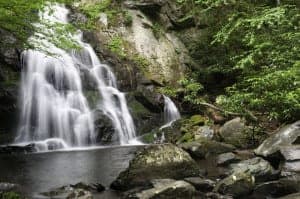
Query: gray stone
(227, 158)
(203, 148)
(156, 162)
(201, 184)
(167, 189)
(234, 131)
(237, 185)
(204, 132)
(286, 136)
(257, 167)
(277, 188)
(290, 153)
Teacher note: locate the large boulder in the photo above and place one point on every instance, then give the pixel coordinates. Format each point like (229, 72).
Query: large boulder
(166, 188)
(154, 162)
(237, 185)
(277, 188)
(257, 167)
(234, 132)
(286, 136)
(203, 148)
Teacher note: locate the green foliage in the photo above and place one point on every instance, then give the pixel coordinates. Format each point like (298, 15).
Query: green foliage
(188, 88)
(18, 18)
(267, 63)
(9, 195)
(157, 30)
(116, 45)
(127, 18)
(254, 48)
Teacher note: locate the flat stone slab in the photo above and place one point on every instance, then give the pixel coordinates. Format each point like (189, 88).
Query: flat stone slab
(291, 153)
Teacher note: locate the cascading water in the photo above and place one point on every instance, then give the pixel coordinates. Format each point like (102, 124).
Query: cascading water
(171, 112)
(54, 111)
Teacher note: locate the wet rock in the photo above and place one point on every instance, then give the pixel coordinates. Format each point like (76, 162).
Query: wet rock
(166, 188)
(30, 148)
(227, 158)
(257, 167)
(90, 187)
(237, 185)
(204, 148)
(286, 136)
(154, 162)
(104, 128)
(68, 192)
(201, 184)
(277, 188)
(234, 131)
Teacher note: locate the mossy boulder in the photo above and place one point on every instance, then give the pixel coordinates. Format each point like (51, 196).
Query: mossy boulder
(154, 162)
(237, 185)
(235, 132)
(203, 148)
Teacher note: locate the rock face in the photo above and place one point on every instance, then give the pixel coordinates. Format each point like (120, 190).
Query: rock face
(237, 185)
(203, 148)
(166, 188)
(154, 162)
(233, 132)
(9, 79)
(286, 136)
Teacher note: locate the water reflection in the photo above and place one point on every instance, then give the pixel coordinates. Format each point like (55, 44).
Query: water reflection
(41, 172)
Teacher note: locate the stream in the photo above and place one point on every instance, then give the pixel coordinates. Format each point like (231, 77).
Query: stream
(40, 172)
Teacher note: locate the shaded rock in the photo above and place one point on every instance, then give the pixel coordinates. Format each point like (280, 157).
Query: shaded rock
(153, 162)
(234, 131)
(4, 186)
(291, 196)
(203, 148)
(201, 184)
(90, 187)
(276, 188)
(147, 6)
(284, 137)
(216, 196)
(166, 188)
(237, 185)
(257, 167)
(104, 128)
(227, 158)
(18, 149)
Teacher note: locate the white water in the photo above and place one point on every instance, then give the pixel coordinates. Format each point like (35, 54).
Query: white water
(53, 106)
(171, 113)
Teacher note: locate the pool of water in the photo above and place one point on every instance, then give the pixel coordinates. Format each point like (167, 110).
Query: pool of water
(40, 172)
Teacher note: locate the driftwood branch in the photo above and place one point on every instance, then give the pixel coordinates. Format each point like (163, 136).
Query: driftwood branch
(247, 112)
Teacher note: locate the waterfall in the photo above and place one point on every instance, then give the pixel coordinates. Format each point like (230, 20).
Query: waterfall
(54, 111)
(171, 112)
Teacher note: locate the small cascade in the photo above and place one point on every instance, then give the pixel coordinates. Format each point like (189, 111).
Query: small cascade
(171, 112)
(54, 111)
